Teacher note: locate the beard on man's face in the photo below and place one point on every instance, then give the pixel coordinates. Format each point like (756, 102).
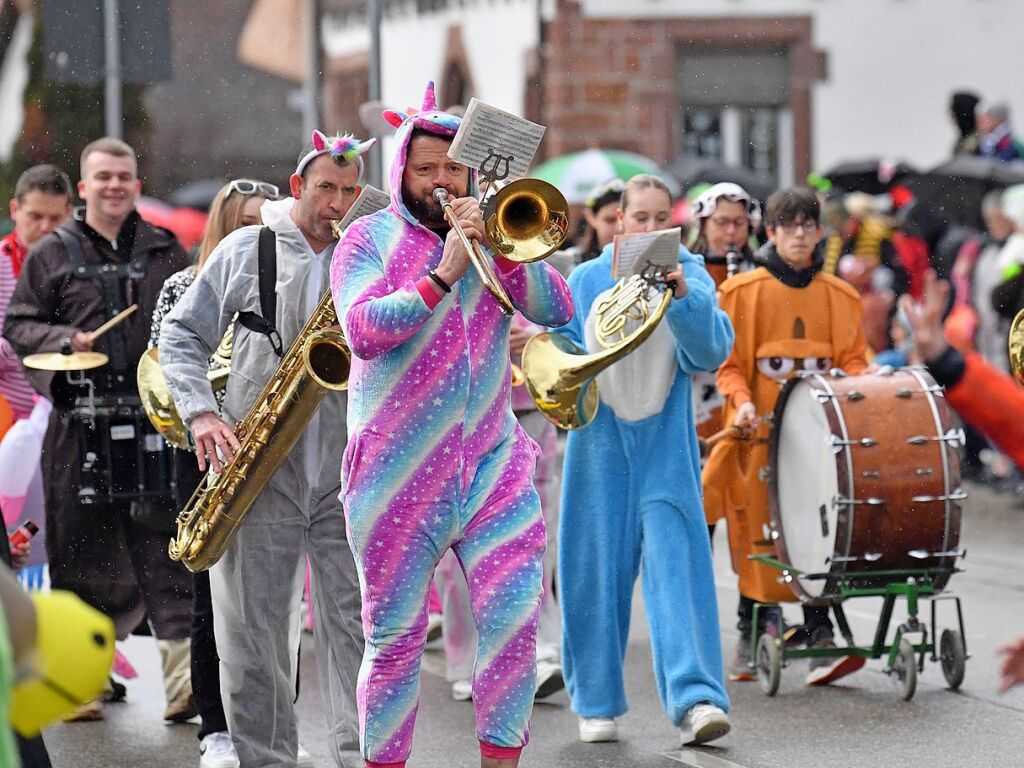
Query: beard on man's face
(425, 209)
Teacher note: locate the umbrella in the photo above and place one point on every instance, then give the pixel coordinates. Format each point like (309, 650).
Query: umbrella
(187, 224)
(871, 175)
(692, 170)
(953, 191)
(196, 194)
(577, 173)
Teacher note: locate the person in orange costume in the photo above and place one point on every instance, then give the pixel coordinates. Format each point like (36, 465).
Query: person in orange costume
(788, 316)
(985, 397)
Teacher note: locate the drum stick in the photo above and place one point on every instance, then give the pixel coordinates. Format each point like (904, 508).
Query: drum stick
(119, 317)
(733, 431)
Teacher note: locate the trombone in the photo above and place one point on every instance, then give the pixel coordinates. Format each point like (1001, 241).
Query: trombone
(525, 221)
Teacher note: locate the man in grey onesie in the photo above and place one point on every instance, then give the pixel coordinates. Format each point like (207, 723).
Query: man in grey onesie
(257, 584)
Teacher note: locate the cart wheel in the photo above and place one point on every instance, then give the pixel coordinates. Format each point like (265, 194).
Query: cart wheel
(769, 664)
(953, 657)
(904, 670)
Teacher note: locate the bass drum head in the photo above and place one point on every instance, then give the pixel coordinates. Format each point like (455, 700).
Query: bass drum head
(806, 486)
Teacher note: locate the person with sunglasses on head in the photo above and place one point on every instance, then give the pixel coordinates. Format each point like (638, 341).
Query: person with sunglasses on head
(789, 315)
(631, 499)
(257, 584)
(236, 205)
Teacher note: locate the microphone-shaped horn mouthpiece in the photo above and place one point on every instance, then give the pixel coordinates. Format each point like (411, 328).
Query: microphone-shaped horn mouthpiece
(441, 195)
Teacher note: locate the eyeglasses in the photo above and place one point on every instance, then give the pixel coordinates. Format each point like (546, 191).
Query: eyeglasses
(807, 226)
(724, 222)
(252, 187)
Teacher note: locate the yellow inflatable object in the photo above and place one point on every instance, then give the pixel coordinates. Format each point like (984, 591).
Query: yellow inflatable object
(73, 655)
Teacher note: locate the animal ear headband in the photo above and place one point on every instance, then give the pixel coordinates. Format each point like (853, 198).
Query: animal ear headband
(427, 117)
(344, 146)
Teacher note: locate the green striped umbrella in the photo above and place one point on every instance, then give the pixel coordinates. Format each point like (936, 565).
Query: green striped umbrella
(577, 173)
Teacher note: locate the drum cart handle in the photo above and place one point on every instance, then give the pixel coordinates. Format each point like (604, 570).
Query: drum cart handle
(959, 620)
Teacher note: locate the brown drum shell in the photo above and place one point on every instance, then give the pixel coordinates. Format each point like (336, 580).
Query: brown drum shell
(890, 409)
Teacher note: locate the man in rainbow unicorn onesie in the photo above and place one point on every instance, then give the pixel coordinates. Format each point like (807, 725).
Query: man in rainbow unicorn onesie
(436, 459)
(257, 585)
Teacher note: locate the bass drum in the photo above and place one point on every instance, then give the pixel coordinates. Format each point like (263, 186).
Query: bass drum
(864, 478)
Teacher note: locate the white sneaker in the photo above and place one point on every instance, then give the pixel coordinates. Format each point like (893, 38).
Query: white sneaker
(216, 750)
(703, 723)
(549, 679)
(304, 759)
(594, 729)
(462, 690)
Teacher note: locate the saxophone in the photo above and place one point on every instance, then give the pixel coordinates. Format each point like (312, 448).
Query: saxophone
(316, 363)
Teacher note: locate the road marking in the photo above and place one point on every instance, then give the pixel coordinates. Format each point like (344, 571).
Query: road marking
(696, 759)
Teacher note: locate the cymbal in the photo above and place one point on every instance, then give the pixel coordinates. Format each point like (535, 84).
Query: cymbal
(57, 361)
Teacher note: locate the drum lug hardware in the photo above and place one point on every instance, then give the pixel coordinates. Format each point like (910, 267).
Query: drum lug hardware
(764, 474)
(885, 370)
(871, 501)
(904, 394)
(924, 471)
(871, 473)
(920, 554)
(952, 553)
(955, 437)
(872, 556)
(853, 395)
(837, 373)
(957, 495)
(866, 442)
(842, 559)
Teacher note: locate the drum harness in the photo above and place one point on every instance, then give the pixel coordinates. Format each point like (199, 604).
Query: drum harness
(108, 276)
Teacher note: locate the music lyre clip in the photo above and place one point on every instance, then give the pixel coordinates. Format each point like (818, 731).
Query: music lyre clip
(489, 175)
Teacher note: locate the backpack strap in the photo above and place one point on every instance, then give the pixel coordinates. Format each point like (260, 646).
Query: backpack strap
(267, 271)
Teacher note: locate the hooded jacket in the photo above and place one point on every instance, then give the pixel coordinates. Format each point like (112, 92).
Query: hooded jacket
(426, 383)
(229, 283)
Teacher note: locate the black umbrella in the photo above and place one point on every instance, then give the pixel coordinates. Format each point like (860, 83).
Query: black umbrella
(692, 170)
(196, 194)
(952, 192)
(871, 175)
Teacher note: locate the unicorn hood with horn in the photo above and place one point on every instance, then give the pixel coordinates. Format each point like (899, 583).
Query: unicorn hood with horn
(427, 118)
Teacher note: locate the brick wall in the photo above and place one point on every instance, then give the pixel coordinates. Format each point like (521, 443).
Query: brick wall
(612, 82)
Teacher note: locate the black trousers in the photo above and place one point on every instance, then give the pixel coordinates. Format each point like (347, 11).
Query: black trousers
(205, 661)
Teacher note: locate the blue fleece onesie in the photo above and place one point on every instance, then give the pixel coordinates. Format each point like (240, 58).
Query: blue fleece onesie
(631, 496)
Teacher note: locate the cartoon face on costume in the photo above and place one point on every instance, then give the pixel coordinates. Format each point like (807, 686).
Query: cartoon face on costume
(781, 359)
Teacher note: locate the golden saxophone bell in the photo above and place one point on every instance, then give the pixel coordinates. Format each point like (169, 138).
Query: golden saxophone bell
(1016, 347)
(316, 363)
(560, 376)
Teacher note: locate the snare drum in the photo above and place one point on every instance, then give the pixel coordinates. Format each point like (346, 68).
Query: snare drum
(864, 478)
(122, 456)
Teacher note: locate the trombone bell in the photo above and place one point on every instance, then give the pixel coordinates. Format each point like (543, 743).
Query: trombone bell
(526, 220)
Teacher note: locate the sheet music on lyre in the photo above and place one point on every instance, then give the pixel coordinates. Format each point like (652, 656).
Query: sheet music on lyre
(634, 254)
(370, 200)
(497, 143)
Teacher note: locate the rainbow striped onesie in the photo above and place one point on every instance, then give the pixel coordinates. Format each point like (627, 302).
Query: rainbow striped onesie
(436, 460)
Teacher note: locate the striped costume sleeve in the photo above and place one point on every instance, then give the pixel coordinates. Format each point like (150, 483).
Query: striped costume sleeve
(538, 291)
(375, 317)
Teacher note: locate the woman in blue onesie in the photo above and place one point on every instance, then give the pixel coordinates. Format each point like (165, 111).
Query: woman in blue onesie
(631, 497)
